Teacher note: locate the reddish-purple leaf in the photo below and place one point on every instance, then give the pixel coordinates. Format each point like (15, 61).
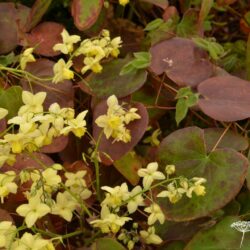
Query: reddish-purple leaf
(62, 93)
(225, 98)
(43, 38)
(58, 144)
(182, 61)
(117, 149)
(3, 125)
(5, 216)
(85, 12)
(13, 16)
(160, 3)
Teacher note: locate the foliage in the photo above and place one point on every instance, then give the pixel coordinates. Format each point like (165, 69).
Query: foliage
(124, 124)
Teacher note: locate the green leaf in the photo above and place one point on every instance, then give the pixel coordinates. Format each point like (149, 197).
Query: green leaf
(181, 110)
(11, 99)
(107, 244)
(8, 59)
(85, 12)
(183, 92)
(224, 169)
(128, 69)
(154, 24)
(220, 237)
(206, 6)
(109, 82)
(128, 166)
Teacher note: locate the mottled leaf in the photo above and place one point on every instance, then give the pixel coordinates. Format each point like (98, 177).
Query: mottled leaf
(85, 12)
(181, 60)
(219, 237)
(43, 38)
(109, 82)
(117, 149)
(62, 93)
(224, 169)
(229, 140)
(225, 98)
(128, 166)
(11, 99)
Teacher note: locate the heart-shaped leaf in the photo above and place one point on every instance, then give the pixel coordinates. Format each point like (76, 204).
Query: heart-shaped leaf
(224, 169)
(181, 60)
(115, 150)
(85, 12)
(62, 93)
(43, 38)
(221, 237)
(225, 98)
(109, 82)
(13, 16)
(11, 99)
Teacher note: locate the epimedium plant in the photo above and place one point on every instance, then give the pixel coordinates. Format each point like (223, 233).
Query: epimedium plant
(136, 136)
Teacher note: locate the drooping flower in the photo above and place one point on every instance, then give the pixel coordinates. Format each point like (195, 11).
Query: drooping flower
(7, 233)
(26, 57)
(62, 71)
(150, 237)
(135, 199)
(155, 214)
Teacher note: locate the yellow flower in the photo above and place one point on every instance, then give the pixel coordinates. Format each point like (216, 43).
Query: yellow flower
(32, 211)
(76, 126)
(26, 57)
(170, 169)
(123, 2)
(173, 193)
(62, 71)
(67, 46)
(135, 199)
(32, 242)
(3, 113)
(64, 206)
(155, 214)
(150, 174)
(32, 103)
(7, 233)
(109, 222)
(91, 63)
(7, 185)
(150, 237)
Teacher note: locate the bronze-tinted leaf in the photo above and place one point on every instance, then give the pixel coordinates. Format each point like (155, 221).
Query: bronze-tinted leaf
(43, 38)
(62, 93)
(5, 216)
(58, 144)
(182, 61)
(225, 98)
(117, 149)
(12, 17)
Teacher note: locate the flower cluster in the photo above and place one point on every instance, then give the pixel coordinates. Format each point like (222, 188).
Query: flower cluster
(115, 121)
(93, 50)
(38, 128)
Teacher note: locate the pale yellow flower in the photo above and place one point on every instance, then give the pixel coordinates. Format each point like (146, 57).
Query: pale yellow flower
(64, 206)
(62, 71)
(26, 57)
(170, 169)
(149, 237)
(33, 103)
(173, 193)
(7, 184)
(32, 242)
(155, 214)
(109, 222)
(135, 199)
(7, 233)
(150, 174)
(67, 46)
(32, 211)
(77, 126)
